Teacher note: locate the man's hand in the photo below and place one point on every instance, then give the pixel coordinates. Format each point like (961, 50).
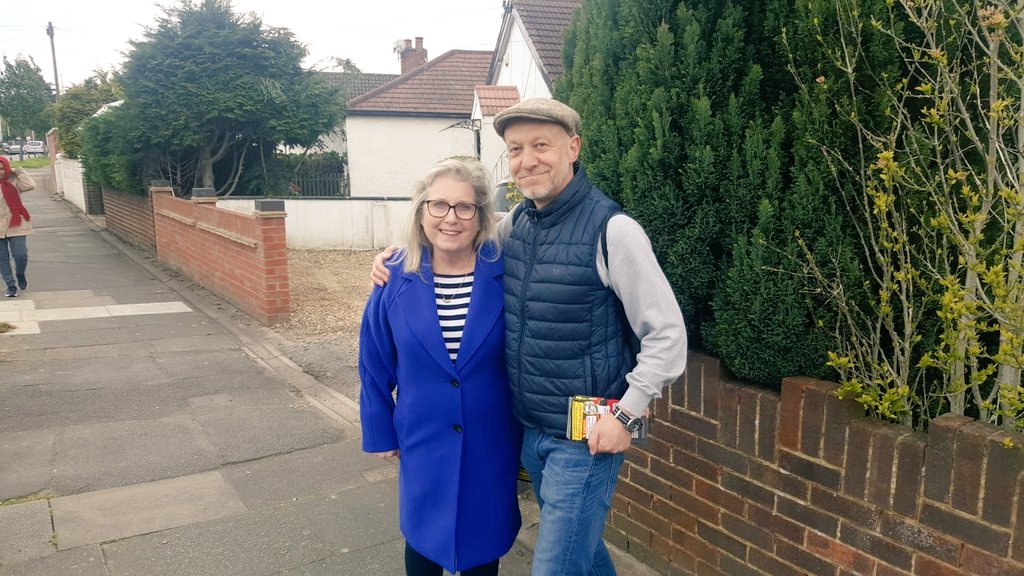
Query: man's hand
(387, 455)
(380, 274)
(608, 436)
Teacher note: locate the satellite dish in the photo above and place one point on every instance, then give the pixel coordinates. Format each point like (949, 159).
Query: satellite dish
(398, 46)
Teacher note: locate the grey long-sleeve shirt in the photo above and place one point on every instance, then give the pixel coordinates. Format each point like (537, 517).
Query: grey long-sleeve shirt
(636, 278)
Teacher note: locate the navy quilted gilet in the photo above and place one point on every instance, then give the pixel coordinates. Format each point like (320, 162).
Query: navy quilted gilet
(564, 328)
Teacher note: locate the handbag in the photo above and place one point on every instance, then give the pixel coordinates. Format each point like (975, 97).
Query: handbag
(22, 181)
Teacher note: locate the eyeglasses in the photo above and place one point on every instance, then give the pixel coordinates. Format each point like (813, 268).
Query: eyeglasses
(440, 209)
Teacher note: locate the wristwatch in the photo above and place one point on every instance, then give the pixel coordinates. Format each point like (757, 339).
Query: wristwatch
(632, 423)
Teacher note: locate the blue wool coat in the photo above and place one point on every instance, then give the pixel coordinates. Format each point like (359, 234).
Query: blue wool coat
(459, 441)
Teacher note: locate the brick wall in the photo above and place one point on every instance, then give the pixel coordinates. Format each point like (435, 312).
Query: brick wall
(93, 197)
(743, 481)
(130, 217)
(241, 257)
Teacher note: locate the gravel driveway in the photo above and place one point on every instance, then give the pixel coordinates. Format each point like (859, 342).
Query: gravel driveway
(329, 290)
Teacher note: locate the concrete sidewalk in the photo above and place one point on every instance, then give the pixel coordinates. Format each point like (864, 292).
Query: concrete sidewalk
(148, 428)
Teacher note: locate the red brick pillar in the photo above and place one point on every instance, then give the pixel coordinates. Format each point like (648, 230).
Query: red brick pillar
(161, 236)
(272, 252)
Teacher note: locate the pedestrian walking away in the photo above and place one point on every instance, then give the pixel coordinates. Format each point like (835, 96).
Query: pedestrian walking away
(581, 285)
(437, 335)
(15, 225)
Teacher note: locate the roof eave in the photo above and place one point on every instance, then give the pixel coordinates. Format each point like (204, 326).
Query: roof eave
(501, 45)
(406, 114)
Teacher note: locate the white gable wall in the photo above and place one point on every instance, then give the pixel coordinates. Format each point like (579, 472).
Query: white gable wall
(492, 151)
(492, 147)
(374, 167)
(519, 68)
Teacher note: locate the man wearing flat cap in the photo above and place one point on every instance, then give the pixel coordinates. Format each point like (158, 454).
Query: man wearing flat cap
(580, 281)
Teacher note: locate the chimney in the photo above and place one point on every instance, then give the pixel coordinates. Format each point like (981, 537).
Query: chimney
(413, 58)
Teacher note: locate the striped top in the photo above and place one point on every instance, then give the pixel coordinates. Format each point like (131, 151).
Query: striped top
(451, 292)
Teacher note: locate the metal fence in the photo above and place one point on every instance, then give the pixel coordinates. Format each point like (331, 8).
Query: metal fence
(319, 184)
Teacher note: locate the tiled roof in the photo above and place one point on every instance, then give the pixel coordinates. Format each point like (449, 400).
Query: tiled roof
(441, 87)
(494, 99)
(546, 22)
(357, 83)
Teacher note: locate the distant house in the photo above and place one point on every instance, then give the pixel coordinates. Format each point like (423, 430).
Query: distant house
(397, 131)
(352, 85)
(527, 59)
(446, 106)
(488, 102)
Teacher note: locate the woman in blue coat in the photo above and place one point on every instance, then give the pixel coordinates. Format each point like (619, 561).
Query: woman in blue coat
(436, 335)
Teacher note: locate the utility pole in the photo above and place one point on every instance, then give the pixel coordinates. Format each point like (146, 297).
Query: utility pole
(53, 52)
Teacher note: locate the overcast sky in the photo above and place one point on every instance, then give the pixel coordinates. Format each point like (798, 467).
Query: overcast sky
(91, 35)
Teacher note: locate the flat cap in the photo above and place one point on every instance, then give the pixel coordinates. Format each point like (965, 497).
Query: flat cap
(539, 110)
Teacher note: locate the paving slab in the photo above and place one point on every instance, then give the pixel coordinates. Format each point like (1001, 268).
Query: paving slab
(83, 373)
(187, 343)
(106, 515)
(212, 362)
(25, 531)
(17, 305)
(21, 328)
(34, 453)
(140, 293)
(79, 312)
(45, 406)
(302, 474)
(386, 558)
(193, 323)
(114, 454)
(245, 433)
(66, 298)
(254, 544)
(84, 561)
(357, 518)
(42, 353)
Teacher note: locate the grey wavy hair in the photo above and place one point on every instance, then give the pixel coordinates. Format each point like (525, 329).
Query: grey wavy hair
(468, 170)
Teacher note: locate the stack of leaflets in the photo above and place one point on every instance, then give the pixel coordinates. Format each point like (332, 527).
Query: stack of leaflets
(584, 411)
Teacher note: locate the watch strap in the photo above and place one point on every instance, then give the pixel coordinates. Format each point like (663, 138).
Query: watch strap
(632, 423)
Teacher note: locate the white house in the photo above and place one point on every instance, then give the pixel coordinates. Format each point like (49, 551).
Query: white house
(488, 102)
(352, 85)
(399, 130)
(527, 59)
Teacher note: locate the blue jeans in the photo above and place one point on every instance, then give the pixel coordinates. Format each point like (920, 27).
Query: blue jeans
(17, 247)
(574, 490)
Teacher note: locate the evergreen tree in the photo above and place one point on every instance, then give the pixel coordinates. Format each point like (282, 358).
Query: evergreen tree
(670, 95)
(593, 53)
(213, 90)
(24, 96)
(80, 102)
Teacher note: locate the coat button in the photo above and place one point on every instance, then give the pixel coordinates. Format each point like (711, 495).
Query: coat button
(455, 383)
(457, 428)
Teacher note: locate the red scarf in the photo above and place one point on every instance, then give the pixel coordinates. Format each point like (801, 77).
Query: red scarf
(12, 196)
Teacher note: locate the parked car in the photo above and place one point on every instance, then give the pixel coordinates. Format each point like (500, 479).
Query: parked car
(34, 147)
(12, 148)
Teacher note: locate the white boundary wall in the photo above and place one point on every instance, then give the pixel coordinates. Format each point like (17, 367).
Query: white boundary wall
(336, 223)
(69, 181)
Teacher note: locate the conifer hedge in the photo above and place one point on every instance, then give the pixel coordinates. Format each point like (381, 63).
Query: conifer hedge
(698, 118)
(833, 187)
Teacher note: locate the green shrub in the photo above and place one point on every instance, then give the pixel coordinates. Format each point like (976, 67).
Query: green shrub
(111, 159)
